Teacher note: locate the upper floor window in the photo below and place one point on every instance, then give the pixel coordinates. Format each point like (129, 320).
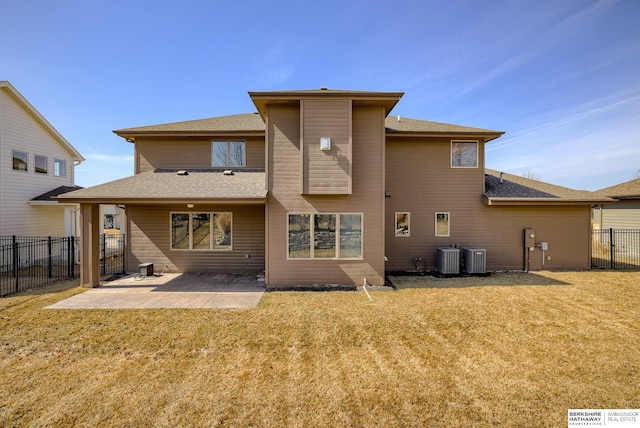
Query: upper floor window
(464, 154)
(228, 153)
(19, 161)
(59, 168)
(41, 164)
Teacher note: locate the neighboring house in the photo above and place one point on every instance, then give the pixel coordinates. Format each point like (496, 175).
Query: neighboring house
(37, 164)
(324, 187)
(625, 213)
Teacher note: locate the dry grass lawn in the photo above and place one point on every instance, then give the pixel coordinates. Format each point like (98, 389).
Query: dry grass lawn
(511, 349)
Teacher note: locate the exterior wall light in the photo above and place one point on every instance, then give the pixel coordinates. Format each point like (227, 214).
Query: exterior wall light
(325, 143)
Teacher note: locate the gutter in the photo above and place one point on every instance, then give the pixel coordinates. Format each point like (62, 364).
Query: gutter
(497, 201)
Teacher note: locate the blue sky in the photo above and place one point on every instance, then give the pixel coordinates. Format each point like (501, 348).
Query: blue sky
(561, 78)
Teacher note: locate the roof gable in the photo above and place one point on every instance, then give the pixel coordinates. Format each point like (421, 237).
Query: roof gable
(627, 190)
(35, 114)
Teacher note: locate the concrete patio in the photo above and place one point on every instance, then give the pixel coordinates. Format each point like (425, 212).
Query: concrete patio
(171, 290)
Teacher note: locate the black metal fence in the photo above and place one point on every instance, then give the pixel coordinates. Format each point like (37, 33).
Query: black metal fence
(617, 249)
(28, 262)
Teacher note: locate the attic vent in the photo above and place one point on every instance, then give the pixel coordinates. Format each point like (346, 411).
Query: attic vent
(182, 172)
(227, 172)
(323, 88)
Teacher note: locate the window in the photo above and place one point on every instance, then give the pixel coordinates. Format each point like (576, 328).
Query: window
(442, 224)
(41, 164)
(402, 224)
(228, 153)
(201, 231)
(19, 161)
(464, 154)
(335, 236)
(59, 168)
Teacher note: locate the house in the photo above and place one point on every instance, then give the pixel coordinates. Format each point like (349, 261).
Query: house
(37, 164)
(326, 187)
(625, 213)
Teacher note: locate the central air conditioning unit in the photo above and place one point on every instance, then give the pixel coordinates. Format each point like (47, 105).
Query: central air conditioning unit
(475, 260)
(448, 261)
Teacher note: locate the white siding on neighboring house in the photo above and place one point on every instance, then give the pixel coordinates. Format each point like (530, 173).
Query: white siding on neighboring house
(22, 130)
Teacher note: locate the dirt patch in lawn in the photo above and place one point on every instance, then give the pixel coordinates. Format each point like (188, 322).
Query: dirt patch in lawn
(510, 349)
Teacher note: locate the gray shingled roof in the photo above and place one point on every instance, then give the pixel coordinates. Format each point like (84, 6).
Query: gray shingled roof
(520, 190)
(252, 122)
(397, 124)
(168, 186)
(50, 195)
(246, 122)
(627, 190)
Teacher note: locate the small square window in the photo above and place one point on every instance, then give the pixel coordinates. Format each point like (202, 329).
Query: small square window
(19, 161)
(41, 164)
(59, 168)
(402, 224)
(442, 224)
(464, 154)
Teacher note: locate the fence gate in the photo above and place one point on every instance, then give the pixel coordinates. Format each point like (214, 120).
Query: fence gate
(616, 249)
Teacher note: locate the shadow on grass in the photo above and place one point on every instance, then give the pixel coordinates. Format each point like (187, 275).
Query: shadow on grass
(40, 291)
(501, 279)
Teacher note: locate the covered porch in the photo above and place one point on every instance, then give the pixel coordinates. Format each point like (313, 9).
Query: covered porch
(154, 200)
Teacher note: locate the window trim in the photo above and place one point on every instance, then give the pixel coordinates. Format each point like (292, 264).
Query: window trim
(477, 143)
(57, 170)
(398, 234)
(46, 164)
(228, 163)
(337, 238)
(448, 214)
(26, 160)
(212, 245)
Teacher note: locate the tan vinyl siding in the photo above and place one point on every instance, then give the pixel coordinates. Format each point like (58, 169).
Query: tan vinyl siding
(166, 152)
(284, 197)
(149, 240)
(19, 131)
(326, 172)
(624, 214)
(420, 181)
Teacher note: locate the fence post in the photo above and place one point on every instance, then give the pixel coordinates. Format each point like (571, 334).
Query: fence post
(611, 249)
(72, 259)
(16, 252)
(123, 248)
(104, 254)
(50, 258)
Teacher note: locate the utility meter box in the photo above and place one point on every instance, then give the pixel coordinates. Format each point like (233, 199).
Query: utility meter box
(529, 238)
(544, 246)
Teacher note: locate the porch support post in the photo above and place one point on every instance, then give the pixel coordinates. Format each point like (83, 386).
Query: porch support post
(90, 256)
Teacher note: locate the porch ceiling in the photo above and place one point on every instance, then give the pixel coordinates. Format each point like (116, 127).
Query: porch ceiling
(172, 186)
